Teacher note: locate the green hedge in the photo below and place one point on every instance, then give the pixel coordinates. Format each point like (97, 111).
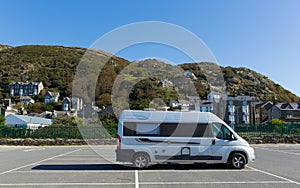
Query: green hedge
(110, 131)
(268, 130)
(65, 132)
(10, 132)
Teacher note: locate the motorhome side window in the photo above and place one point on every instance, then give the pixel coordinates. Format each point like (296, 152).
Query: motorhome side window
(167, 129)
(141, 129)
(147, 129)
(221, 132)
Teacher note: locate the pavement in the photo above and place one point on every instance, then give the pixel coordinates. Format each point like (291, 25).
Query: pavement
(83, 166)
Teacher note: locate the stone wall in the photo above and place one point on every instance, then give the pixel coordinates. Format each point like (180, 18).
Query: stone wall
(273, 140)
(55, 142)
(58, 142)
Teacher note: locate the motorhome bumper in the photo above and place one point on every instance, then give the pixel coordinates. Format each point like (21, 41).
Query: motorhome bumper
(124, 155)
(252, 158)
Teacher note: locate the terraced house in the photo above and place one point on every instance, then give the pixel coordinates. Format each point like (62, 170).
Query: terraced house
(25, 88)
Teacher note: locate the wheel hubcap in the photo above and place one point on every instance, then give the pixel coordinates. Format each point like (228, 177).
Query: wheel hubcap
(238, 161)
(140, 162)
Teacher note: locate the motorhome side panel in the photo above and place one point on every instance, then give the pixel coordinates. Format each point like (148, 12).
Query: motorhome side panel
(145, 137)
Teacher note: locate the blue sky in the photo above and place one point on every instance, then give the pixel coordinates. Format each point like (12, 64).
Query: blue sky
(263, 35)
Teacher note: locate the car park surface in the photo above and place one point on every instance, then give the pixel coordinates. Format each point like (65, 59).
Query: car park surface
(83, 166)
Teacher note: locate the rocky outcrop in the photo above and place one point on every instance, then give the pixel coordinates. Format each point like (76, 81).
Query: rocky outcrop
(244, 81)
(4, 47)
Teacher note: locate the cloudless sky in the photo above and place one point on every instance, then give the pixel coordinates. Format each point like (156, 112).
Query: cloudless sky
(263, 35)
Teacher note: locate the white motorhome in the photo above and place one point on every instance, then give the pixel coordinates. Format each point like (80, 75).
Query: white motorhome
(148, 137)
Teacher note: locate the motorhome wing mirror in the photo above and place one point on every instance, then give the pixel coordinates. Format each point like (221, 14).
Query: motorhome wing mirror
(232, 137)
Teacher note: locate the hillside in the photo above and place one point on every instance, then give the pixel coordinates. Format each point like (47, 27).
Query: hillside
(243, 81)
(4, 47)
(55, 66)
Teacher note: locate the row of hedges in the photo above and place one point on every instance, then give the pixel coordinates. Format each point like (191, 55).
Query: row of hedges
(64, 132)
(73, 135)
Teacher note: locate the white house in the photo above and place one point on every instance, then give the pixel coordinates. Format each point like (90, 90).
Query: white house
(73, 103)
(51, 97)
(189, 74)
(182, 103)
(20, 121)
(204, 106)
(25, 100)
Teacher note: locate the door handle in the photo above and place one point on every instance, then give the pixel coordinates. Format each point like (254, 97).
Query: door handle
(213, 142)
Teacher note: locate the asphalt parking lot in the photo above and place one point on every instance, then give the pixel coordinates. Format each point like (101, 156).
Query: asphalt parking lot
(82, 166)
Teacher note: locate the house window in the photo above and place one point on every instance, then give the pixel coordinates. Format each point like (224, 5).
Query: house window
(231, 109)
(66, 107)
(245, 109)
(231, 118)
(246, 119)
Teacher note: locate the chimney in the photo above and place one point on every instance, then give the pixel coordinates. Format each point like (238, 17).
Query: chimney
(275, 101)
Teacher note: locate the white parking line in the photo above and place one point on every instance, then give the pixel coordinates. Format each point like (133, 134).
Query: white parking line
(47, 159)
(35, 149)
(144, 183)
(80, 156)
(279, 151)
(217, 182)
(136, 177)
(274, 175)
(78, 159)
(64, 184)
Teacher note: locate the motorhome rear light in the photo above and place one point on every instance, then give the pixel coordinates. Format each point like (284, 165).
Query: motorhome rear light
(118, 142)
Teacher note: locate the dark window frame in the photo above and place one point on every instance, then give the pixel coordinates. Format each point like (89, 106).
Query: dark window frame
(200, 130)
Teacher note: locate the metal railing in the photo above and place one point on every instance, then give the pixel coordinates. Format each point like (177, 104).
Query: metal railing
(98, 132)
(268, 130)
(64, 132)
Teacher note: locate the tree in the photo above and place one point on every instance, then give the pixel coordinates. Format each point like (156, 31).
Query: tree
(64, 121)
(2, 120)
(103, 100)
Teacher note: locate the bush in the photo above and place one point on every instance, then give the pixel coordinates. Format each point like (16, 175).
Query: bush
(64, 121)
(276, 121)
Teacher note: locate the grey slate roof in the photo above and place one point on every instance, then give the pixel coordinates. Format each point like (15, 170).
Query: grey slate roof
(288, 106)
(35, 120)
